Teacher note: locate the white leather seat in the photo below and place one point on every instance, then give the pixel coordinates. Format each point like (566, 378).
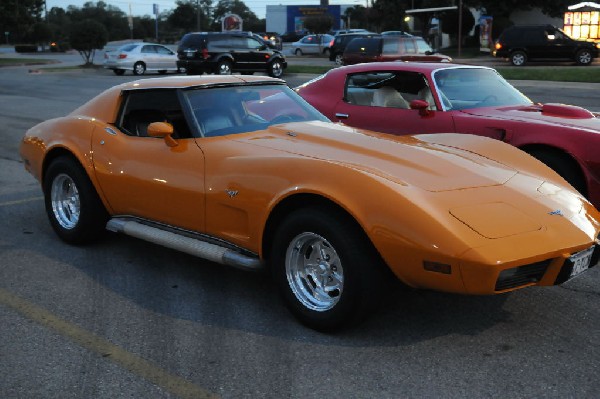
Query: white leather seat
(388, 97)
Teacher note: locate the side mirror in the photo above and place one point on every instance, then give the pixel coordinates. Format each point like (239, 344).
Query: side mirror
(422, 106)
(164, 130)
(429, 52)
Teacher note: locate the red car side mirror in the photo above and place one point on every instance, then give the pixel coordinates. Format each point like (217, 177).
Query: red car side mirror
(422, 106)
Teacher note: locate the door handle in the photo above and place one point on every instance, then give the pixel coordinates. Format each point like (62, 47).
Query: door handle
(341, 116)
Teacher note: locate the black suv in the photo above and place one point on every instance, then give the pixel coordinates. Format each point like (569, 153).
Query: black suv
(542, 42)
(339, 43)
(223, 53)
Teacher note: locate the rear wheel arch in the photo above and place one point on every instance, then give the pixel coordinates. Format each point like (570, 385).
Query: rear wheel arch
(63, 152)
(561, 162)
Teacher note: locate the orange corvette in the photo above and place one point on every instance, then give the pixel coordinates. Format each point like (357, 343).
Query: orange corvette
(241, 171)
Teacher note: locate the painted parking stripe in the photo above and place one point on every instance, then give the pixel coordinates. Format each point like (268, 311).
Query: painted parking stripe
(23, 201)
(107, 350)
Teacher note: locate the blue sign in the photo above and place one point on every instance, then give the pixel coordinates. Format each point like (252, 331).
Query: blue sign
(297, 14)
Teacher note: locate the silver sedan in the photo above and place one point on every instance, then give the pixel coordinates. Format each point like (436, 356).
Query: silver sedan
(141, 57)
(312, 44)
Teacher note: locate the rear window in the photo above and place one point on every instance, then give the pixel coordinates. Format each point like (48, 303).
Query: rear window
(366, 46)
(192, 40)
(128, 47)
(422, 46)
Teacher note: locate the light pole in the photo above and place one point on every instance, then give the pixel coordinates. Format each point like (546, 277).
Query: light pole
(198, 15)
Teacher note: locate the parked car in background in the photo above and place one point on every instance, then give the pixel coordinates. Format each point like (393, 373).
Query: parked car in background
(312, 44)
(395, 33)
(224, 53)
(292, 36)
(140, 58)
(339, 43)
(242, 172)
(344, 31)
(390, 48)
(406, 98)
(521, 44)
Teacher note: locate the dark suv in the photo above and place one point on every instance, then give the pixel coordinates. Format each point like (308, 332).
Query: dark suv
(542, 42)
(390, 48)
(339, 43)
(222, 53)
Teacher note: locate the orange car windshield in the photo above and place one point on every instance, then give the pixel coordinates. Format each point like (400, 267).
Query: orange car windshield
(236, 109)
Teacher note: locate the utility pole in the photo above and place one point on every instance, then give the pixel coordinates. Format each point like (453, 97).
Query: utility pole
(198, 15)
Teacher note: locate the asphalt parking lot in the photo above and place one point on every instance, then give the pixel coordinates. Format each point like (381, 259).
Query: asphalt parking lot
(124, 318)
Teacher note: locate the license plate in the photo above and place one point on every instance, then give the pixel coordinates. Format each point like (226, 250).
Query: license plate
(581, 261)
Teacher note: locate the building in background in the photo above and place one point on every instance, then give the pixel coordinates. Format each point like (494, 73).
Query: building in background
(282, 19)
(582, 21)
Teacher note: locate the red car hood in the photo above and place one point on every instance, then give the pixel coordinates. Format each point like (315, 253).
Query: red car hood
(555, 114)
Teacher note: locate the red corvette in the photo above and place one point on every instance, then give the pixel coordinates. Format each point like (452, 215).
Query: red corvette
(412, 98)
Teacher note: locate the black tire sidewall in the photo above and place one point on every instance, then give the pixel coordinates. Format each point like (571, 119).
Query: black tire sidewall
(361, 268)
(135, 72)
(93, 215)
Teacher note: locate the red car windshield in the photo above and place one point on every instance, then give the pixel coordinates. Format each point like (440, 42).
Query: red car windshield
(466, 88)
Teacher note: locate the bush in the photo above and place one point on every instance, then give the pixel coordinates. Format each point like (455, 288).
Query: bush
(26, 48)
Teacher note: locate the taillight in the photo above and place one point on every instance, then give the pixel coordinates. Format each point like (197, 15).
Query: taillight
(205, 53)
(331, 42)
(121, 56)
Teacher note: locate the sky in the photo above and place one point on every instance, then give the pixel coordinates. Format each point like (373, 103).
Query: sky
(144, 7)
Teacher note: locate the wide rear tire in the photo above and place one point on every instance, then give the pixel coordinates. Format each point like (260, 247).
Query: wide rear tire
(74, 209)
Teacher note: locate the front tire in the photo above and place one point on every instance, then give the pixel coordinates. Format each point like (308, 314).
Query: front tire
(326, 269)
(518, 58)
(339, 59)
(565, 166)
(139, 68)
(74, 209)
(298, 52)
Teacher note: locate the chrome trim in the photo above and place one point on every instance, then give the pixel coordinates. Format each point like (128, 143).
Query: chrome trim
(193, 244)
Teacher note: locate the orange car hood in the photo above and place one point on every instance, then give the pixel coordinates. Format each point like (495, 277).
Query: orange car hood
(405, 160)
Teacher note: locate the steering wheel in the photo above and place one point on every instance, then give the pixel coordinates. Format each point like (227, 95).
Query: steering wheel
(488, 99)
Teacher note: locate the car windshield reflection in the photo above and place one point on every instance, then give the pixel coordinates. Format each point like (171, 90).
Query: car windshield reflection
(238, 109)
(466, 88)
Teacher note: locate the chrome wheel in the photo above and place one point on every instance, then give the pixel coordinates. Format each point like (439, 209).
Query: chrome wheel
(314, 272)
(584, 57)
(224, 68)
(139, 68)
(339, 59)
(518, 58)
(276, 69)
(65, 200)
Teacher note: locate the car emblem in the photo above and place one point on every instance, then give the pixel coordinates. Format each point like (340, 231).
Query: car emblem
(231, 193)
(557, 212)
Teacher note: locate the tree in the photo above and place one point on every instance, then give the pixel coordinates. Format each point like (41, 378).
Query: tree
(388, 15)
(41, 33)
(355, 17)
(18, 17)
(87, 36)
(449, 21)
